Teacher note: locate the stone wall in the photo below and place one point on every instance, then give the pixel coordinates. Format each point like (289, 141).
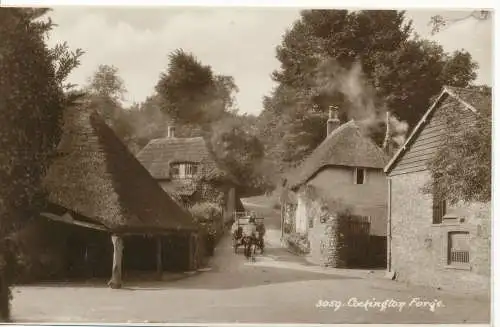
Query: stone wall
(419, 249)
(332, 240)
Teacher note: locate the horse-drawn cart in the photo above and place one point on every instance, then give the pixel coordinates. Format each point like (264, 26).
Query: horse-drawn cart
(240, 220)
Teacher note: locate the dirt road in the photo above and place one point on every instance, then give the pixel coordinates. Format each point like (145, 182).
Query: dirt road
(278, 288)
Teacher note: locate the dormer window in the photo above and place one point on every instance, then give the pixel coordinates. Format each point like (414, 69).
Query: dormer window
(184, 170)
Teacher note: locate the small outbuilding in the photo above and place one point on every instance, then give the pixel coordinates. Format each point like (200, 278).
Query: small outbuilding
(122, 215)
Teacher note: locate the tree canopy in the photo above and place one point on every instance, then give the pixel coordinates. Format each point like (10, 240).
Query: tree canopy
(106, 90)
(365, 62)
(33, 96)
(461, 169)
(240, 152)
(439, 22)
(190, 92)
(193, 97)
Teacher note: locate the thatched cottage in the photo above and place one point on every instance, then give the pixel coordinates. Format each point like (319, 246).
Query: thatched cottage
(340, 192)
(432, 242)
(118, 211)
(179, 164)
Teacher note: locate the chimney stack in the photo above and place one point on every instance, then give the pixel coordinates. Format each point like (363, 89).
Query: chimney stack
(333, 122)
(171, 132)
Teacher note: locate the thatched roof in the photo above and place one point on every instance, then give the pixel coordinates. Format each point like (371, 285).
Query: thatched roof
(345, 146)
(158, 154)
(96, 176)
(474, 100)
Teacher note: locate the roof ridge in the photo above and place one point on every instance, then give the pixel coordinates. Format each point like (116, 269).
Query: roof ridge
(468, 89)
(178, 138)
(327, 153)
(450, 91)
(382, 154)
(339, 129)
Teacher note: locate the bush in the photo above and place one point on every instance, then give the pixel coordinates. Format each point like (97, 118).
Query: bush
(39, 252)
(209, 216)
(298, 243)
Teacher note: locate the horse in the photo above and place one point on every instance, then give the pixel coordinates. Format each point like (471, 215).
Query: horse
(250, 244)
(261, 231)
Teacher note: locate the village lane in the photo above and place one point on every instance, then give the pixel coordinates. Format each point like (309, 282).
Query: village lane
(278, 288)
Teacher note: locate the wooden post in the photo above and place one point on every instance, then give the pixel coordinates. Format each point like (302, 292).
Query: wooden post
(159, 254)
(116, 274)
(196, 251)
(193, 252)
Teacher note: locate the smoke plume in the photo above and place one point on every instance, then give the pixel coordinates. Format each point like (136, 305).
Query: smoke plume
(360, 100)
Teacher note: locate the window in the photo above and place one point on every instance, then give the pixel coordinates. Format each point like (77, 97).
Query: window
(438, 210)
(184, 170)
(174, 171)
(191, 170)
(458, 248)
(359, 175)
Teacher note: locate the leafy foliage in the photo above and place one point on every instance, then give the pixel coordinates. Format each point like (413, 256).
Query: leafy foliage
(208, 215)
(191, 93)
(438, 22)
(106, 82)
(105, 91)
(461, 169)
(298, 243)
(364, 62)
(241, 153)
(32, 100)
(196, 99)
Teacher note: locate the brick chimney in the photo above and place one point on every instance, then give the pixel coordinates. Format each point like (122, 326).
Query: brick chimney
(171, 132)
(332, 123)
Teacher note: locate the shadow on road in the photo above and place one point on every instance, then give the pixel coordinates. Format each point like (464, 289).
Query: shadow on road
(250, 276)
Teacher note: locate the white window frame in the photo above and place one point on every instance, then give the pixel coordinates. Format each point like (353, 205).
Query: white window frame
(184, 168)
(356, 175)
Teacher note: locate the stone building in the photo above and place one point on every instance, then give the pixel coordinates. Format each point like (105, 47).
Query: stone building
(340, 189)
(430, 241)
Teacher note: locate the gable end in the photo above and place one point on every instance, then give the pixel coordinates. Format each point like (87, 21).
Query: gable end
(429, 136)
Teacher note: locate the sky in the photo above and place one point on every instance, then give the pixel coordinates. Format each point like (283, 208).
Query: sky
(239, 42)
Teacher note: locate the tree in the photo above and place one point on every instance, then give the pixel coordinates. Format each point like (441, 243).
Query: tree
(106, 89)
(366, 63)
(65, 61)
(106, 82)
(438, 22)
(461, 170)
(240, 153)
(192, 93)
(32, 101)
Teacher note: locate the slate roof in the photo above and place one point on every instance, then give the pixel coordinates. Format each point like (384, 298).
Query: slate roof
(96, 176)
(345, 146)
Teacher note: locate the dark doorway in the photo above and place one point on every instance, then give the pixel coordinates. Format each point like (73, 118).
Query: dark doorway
(88, 253)
(139, 253)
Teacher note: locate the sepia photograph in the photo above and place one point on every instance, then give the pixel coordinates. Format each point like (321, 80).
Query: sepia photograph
(239, 164)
